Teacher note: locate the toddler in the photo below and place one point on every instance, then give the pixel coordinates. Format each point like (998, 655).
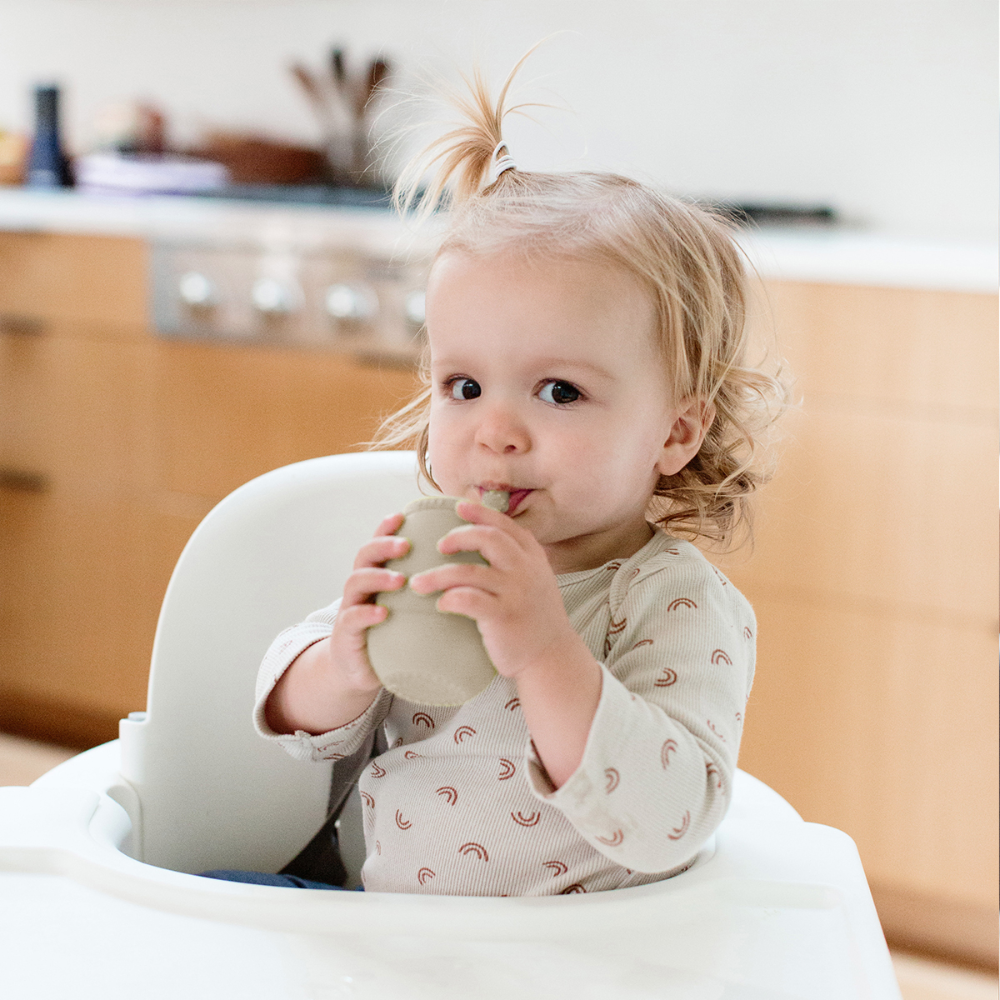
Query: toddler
(587, 356)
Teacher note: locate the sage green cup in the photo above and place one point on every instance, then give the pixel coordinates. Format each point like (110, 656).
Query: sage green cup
(419, 653)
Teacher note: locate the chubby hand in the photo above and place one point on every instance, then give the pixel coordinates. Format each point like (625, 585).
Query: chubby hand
(515, 600)
(358, 610)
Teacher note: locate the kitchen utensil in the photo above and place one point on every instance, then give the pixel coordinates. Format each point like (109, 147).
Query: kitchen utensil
(253, 159)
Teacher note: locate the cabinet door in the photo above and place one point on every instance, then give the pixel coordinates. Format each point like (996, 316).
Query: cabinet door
(76, 610)
(76, 620)
(96, 281)
(227, 415)
(874, 581)
(74, 410)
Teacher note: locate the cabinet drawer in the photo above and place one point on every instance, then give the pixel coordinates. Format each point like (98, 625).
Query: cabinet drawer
(228, 415)
(94, 281)
(887, 347)
(77, 612)
(881, 511)
(74, 414)
(883, 726)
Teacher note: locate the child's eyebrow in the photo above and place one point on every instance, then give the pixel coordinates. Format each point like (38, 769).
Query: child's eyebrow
(552, 367)
(573, 365)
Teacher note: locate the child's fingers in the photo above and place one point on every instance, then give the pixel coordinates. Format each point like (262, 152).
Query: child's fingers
(358, 617)
(385, 545)
(476, 513)
(472, 602)
(454, 575)
(363, 583)
(497, 546)
(380, 549)
(390, 524)
(350, 642)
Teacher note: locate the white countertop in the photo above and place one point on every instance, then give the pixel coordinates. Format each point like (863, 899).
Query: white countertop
(833, 255)
(270, 226)
(846, 257)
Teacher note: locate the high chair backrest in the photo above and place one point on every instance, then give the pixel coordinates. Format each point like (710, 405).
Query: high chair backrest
(211, 793)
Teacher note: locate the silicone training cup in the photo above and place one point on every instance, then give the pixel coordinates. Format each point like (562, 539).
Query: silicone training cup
(419, 653)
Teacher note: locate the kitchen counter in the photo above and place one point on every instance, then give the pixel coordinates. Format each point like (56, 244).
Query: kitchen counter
(270, 226)
(823, 255)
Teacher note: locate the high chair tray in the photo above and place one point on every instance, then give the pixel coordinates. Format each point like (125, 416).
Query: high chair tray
(775, 909)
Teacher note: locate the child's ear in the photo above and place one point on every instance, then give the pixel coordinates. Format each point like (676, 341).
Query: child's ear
(691, 421)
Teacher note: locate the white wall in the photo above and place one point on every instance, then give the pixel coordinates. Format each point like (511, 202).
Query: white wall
(885, 108)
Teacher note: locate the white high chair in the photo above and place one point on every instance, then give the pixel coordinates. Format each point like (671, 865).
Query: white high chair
(96, 856)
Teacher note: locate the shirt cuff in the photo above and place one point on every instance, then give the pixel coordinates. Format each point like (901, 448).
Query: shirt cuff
(332, 745)
(338, 743)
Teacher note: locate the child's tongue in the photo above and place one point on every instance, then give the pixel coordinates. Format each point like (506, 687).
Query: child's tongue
(516, 497)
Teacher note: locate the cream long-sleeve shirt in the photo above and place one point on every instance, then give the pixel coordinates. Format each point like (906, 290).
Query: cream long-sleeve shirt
(461, 805)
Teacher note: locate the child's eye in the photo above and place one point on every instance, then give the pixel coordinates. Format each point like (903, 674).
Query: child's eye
(464, 388)
(559, 392)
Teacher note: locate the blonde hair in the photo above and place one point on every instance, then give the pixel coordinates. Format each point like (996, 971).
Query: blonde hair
(685, 256)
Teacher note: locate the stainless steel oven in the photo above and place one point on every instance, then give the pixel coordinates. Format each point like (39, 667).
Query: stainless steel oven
(350, 281)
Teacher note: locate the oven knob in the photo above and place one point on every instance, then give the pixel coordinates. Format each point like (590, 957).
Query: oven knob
(351, 302)
(272, 297)
(197, 291)
(415, 307)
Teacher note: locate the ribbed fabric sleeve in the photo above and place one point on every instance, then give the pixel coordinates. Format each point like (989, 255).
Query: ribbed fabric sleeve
(334, 745)
(656, 774)
(459, 804)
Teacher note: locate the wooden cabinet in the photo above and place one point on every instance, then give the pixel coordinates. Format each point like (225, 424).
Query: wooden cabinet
(226, 415)
(113, 446)
(74, 477)
(874, 580)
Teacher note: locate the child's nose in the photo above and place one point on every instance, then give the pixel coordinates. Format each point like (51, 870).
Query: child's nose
(501, 430)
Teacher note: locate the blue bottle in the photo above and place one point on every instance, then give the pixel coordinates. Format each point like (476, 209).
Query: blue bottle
(48, 166)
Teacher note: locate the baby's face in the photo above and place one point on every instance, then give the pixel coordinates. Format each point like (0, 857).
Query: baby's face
(547, 384)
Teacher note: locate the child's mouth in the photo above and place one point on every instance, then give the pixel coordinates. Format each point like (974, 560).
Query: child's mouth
(517, 496)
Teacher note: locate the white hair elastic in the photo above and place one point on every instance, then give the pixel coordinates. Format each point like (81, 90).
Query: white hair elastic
(499, 164)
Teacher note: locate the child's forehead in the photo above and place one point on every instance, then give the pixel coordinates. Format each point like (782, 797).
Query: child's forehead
(532, 268)
(582, 297)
